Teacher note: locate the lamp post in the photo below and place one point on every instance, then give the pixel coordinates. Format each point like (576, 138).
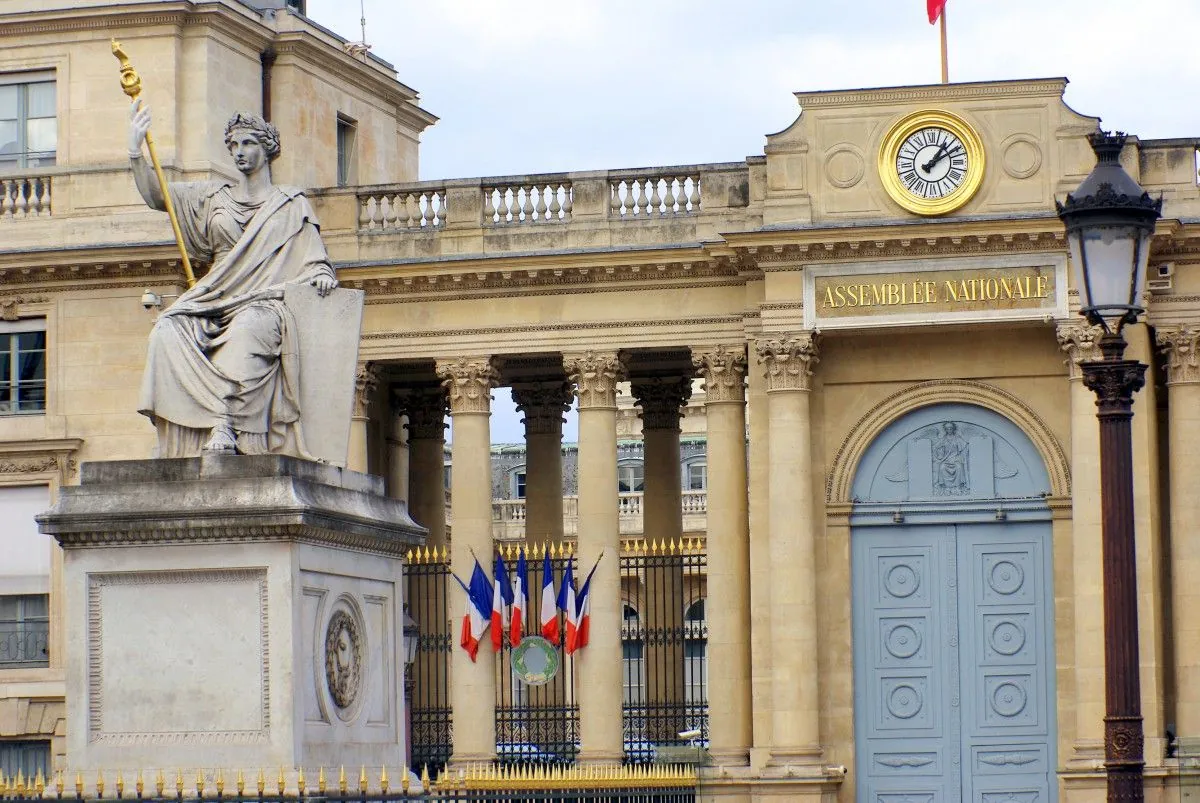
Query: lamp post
(411, 635)
(1109, 221)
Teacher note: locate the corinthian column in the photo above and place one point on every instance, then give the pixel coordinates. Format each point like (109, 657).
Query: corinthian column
(468, 383)
(729, 702)
(397, 444)
(1080, 341)
(795, 720)
(1180, 344)
(366, 380)
(662, 400)
(543, 404)
(426, 410)
(598, 666)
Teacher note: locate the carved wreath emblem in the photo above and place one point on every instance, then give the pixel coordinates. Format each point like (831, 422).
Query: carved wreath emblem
(343, 658)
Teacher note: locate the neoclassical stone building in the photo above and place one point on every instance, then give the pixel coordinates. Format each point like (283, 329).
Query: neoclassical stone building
(902, 506)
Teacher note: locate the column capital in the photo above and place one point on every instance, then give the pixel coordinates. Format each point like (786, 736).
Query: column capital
(724, 372)
(426, 409)
(543, 404)
(662, 400)
(468, 382)
(1080, 341)
(595, 375)
(788, 360)
(366, 380)
(1179, 344)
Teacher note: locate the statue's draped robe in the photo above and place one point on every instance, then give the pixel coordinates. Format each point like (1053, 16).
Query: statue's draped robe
(227, 346)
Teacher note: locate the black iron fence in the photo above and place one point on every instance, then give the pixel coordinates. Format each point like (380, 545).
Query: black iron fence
(24, 642)
(664, 646)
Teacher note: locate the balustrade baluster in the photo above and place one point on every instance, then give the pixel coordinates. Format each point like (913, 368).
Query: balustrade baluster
(411, 217)
(616, 206)
(640, 204)
(694, 198)
(655, 198)
(679, 194)
(555, 204)
(6, 204)
(540, 209)
(440, 195)
(427, 213)
(527, 203)
(21, 197)
(568, 202)
(489, 206)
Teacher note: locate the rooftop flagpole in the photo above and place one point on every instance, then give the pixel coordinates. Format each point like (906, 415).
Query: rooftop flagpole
(945, 56)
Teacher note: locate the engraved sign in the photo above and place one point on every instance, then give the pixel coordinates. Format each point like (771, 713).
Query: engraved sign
(935, 291)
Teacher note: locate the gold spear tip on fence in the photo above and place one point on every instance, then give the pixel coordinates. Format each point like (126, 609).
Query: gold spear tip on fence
(120, 783)
(300, 782)
(78, 784)
(404, 782)
(59, 783)
(99, 783)
(383, 780)
(425, 778)
(321, 780)
(220, 782)
(159, 783)
(20, 784)
(199, 783)
(262, 781)
(362, 779)
(281, 782)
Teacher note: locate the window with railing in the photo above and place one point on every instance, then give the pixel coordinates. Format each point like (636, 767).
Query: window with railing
(22, 367)
(28, 120)
(631, 477)
(24, 631)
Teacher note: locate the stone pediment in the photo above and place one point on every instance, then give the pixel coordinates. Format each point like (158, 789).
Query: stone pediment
(825, 167)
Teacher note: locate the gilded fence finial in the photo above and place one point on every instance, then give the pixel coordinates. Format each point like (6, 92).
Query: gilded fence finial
(220, 782)
(300, 782)
(342, 780)
(383, 780)
(159, 783)
(321, 781)
(79, 785)
(199, 783)
(362, 779)
(120, 785)
(3, 783)
(281, 782)
(404, 782)
(179, 783)
(99, 783)
(20, 784)
(262, 782)
(139, 784)
(39, 784)
(59, 783)
(241, 783)
(425, 779)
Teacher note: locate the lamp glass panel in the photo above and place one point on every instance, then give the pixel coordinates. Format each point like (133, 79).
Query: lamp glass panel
(1109, 254)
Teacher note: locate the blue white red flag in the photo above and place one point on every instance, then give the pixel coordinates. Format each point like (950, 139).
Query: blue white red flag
(566, 602)
(502, 597)
(520, 597)
(549, 613)
(475, 617)
(578, 631)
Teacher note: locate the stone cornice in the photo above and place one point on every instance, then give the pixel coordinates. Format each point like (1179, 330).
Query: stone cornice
(990, 90)
(91, 268)
(51, 456)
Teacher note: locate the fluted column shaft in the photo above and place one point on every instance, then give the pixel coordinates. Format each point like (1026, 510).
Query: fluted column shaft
(661, 400)
(795, 722)
(1180, 345)
(598, 666)
(543, 405)
(468, 383)
(366, 380)
(729, 697)
(1080, 342)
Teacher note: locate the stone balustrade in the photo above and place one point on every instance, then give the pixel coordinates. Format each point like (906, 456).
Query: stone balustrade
(402, 208)
(508, 515)
(660, 192)
(26, 197)
(539, 201)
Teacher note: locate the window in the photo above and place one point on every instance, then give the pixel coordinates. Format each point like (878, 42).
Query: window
(24, 631)
(518, 484)
(695, 477)
(26, 758)
(23, 367)
(28, 120)
(631, 477)
(446, 476)
(345, 151)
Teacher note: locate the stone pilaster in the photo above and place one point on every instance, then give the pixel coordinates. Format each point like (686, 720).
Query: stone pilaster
(662, 400)
(729, 699)
(598, 668)
(543, 404)
(1080, 343)
(1179, 344)
(795, 728)
(366, 381)
(468, 382)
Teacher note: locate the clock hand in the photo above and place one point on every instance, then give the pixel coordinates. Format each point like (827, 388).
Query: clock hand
(937, 157)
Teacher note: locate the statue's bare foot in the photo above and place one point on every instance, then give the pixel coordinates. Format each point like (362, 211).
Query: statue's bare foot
(222, 440)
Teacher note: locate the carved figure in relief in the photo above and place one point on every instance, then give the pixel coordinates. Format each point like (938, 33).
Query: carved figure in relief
(343, 658)
(950, 468)
(222, 372)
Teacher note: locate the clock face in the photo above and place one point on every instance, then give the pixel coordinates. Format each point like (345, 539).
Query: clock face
(932, 163)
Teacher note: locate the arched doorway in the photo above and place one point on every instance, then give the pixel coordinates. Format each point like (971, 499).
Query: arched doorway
(953, 612)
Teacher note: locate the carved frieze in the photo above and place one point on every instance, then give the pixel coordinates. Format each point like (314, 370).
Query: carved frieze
(468, 382)
(543, 405)
(1080, 341)
(595, 375)
(426, 409)
(1179, 345)
(662, 400)
(724, 372)
(789, 360)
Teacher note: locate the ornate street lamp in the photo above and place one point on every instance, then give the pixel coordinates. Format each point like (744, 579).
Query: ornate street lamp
(1110, 220)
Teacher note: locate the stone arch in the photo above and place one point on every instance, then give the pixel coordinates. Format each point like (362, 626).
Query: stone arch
(864, 432)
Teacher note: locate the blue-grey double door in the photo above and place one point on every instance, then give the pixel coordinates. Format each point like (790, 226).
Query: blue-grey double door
(953, 658)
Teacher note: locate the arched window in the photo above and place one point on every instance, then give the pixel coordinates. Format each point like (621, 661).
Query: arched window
(633, 661)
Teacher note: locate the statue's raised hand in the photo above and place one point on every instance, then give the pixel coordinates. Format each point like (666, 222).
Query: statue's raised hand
(324, 285)
(139, 125)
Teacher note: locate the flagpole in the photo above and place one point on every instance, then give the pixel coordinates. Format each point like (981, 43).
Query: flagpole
(945, 57)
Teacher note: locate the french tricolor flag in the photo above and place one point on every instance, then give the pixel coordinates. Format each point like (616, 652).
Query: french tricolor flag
(566, 602)
(502, 597)
(577, 630)
(520, 597)
(475, 618)
(549, 613)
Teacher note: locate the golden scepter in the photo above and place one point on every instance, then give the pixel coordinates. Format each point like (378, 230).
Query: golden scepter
(131, 84)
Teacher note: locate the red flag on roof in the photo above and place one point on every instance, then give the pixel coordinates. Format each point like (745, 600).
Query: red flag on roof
(935, 8)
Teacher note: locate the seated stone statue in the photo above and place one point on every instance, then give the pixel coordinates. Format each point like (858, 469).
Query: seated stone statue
(222, 372)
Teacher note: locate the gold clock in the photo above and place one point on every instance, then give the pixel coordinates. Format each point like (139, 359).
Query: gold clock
(931, 162)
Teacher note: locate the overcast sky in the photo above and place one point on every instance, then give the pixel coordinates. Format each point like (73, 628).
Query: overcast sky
(535, 86)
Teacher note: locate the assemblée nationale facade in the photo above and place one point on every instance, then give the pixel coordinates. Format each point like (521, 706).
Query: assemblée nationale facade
(901, 521)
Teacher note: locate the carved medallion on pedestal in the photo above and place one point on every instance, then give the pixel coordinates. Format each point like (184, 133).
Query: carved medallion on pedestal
(343, 659)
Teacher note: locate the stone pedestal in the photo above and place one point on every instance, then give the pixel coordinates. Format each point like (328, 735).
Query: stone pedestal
(232, 611)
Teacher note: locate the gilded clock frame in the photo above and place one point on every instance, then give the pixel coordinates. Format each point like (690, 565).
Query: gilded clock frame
(935, 118)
